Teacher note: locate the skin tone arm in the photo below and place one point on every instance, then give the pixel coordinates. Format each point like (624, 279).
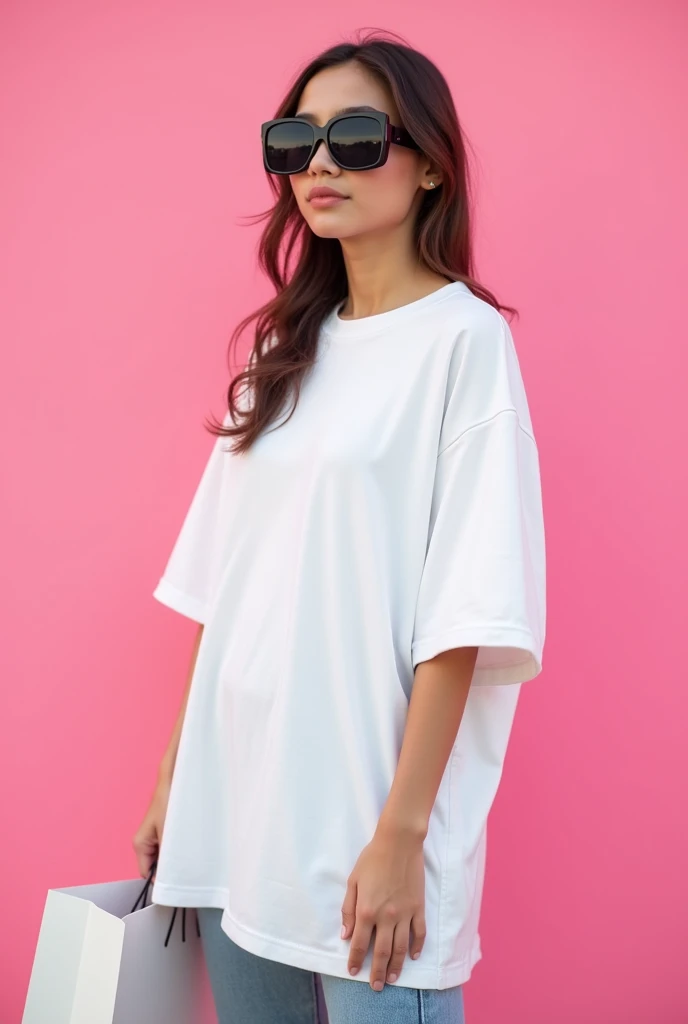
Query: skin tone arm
(386, 889)
(438, 698)
(169, 757)
(146, 841)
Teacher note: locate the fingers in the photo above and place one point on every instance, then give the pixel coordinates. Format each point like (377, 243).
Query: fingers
(394, 939)
(349, 908)
(418, 932)
(384, 944)
(360, 940)
(389, 952)
(399, 949)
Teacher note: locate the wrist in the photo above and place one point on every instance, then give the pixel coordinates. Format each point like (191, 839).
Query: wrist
(401, 829)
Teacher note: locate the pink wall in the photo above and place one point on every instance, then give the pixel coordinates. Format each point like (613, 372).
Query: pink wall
(124, 267)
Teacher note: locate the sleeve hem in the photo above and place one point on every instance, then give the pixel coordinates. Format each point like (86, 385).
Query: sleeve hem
(525, 664)
(185, 604)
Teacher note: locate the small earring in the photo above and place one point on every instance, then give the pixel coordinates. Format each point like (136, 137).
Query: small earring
(432, 184)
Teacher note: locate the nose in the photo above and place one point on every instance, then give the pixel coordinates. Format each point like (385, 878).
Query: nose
(321, 159)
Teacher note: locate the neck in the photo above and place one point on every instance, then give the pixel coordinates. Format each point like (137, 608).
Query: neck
(383, 272)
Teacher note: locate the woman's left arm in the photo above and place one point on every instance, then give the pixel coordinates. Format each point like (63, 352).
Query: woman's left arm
(386, 889)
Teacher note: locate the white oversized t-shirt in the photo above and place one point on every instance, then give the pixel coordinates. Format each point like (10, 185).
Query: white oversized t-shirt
(397, 514)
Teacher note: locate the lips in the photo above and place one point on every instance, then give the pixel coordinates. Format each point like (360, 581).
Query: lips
(323, 190)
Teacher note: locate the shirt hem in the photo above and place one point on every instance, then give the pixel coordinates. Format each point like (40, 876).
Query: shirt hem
(176, 896)
(413, 975)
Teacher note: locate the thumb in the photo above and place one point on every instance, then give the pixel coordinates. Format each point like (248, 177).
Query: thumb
(349, 909)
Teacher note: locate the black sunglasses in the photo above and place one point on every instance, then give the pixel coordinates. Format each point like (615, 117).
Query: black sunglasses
(356, 142)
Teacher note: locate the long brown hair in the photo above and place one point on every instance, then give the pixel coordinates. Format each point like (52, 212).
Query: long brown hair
(308, 271)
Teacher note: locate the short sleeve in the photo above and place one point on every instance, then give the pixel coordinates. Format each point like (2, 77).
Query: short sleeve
(187, 582)
(483, 582)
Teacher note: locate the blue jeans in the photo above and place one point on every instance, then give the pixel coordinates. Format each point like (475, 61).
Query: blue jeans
(250, 989)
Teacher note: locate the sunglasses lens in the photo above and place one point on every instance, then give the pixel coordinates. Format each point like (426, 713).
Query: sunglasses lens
(287, 146)
(356, 142)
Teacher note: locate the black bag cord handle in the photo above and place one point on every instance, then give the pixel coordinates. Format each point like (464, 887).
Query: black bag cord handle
(144, 894)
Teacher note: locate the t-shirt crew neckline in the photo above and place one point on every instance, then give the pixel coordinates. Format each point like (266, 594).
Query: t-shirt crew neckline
(345, 330)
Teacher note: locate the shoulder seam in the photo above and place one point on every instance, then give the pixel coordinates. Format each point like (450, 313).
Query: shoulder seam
(482, 423)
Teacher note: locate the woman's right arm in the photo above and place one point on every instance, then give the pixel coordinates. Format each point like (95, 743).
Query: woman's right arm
(166, 766)
(148, 836)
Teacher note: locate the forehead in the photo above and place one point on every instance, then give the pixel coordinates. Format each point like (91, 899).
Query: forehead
(347, 85)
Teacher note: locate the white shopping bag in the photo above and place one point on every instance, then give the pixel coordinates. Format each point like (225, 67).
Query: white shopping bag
(100, 960)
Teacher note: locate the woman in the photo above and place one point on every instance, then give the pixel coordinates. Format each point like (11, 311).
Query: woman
(368, 575)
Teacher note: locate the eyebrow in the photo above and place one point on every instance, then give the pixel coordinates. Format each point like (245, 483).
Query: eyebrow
(345, 110)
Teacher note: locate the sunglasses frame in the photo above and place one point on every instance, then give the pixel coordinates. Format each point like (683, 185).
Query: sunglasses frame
(390, 134)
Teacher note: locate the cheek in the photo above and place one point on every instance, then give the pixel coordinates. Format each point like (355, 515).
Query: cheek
(386, 193)
(298, 188)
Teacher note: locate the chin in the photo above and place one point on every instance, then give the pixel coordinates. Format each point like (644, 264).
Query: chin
(320, 226)
(331, 233)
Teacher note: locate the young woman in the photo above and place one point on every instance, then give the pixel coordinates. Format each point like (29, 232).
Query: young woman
(367, 568)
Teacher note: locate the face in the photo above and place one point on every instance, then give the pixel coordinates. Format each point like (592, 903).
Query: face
(376, 200)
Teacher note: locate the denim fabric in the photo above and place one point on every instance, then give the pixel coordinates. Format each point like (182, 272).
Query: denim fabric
(250, 989)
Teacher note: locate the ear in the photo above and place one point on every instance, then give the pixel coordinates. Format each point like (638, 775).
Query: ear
(431, 174)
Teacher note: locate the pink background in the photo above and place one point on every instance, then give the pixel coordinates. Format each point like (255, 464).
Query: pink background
(131, 155)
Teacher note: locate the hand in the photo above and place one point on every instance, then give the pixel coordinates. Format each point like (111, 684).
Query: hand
(148, 837)
(386, 891)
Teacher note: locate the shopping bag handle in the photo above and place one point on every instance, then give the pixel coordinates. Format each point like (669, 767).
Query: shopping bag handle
(144, 894)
